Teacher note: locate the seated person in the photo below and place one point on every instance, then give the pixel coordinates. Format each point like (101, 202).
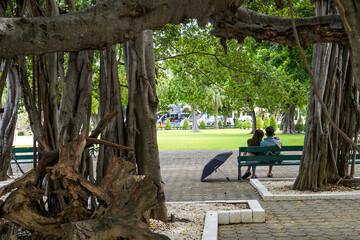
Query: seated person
(254, 141)
(270, 141)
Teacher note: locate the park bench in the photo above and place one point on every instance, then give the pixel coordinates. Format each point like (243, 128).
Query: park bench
(23, 155)
(289, 156)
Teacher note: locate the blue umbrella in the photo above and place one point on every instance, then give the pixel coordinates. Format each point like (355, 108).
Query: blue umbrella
(214, 164)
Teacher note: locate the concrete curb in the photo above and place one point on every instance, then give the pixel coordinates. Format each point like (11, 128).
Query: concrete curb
(213, 218)
(268, 196)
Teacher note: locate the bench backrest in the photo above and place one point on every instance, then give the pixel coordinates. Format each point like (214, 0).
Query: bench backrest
(283, 156)
(21, 153)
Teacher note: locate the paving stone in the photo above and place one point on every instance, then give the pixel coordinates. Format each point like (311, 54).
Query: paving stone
(181, 170)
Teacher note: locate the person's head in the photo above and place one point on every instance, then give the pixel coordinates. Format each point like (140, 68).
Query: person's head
(257, 137)
(270, 131)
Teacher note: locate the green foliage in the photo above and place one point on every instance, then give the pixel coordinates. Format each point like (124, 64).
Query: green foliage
(21, 133)
(248, 124)
(220, 124)
(281, 126)
(186, 124)
(237, 123)
(299, 126)
(202, 125)
(157, 126)
(273, 122)
(266, 121)
(259, 122)
(168, 125)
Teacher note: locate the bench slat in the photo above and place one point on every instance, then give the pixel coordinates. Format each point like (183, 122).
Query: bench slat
(268, 164)
(273, 148)
(23, 150)
(268, 157)
(21, 157)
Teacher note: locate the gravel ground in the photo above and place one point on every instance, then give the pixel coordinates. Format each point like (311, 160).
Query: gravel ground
(189, 219)
(285, 187)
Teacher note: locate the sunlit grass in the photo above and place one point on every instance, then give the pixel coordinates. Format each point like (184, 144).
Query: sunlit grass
(214, 139)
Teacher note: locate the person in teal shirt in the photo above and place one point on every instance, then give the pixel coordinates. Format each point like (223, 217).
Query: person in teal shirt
(270, 141)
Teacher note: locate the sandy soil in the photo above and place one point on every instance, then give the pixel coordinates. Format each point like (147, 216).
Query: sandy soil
(285, 187)
(189, 219)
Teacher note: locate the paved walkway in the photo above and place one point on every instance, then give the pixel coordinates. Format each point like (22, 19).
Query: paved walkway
(320, 219)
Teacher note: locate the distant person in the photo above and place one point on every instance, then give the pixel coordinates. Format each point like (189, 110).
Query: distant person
(253, 142)
(270, 141)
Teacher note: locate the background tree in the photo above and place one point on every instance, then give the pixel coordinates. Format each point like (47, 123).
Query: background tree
(266, 122)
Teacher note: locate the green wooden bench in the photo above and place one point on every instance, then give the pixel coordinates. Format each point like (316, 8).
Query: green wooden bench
(23, 155)
(288, 158)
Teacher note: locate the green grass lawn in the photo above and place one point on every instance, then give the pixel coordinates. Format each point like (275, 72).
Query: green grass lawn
(214, 139)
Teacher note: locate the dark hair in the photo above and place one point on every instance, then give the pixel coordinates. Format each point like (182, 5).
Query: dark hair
(256, 139)
(270, 131)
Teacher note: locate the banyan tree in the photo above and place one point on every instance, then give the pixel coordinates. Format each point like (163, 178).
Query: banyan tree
(61, 197)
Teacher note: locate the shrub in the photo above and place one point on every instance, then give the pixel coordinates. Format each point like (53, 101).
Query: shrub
(259, 122)
(299, 126)
(220, 124)
(273, 123)
(266, 122)
(21, 133)
(202, 125)
(281, 126)
(237, 123)
(168, 125)
(186, 124)
(157, 126)
(248, 124)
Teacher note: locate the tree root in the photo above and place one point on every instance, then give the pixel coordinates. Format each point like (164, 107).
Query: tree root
(351, 183)
(122, 199)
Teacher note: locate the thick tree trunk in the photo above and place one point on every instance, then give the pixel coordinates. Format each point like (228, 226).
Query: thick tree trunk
(253, 121)
(349, 11)
(75, 95)
(195, 127)
(90, 28)
(289, 122)
(9, 117)
(141, 111)
(326, 160)
(110, 101)
(216, 121)
(247, 23)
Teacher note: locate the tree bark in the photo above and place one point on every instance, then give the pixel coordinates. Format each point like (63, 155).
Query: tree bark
(289, 122)
(216, 121)
(325, 161)
(253, 121)
(141, 111)
(110, 101)
(9, 117)
(195, 127)
(90, 28)
(349, 12)
(75, 95)
(247, 23)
